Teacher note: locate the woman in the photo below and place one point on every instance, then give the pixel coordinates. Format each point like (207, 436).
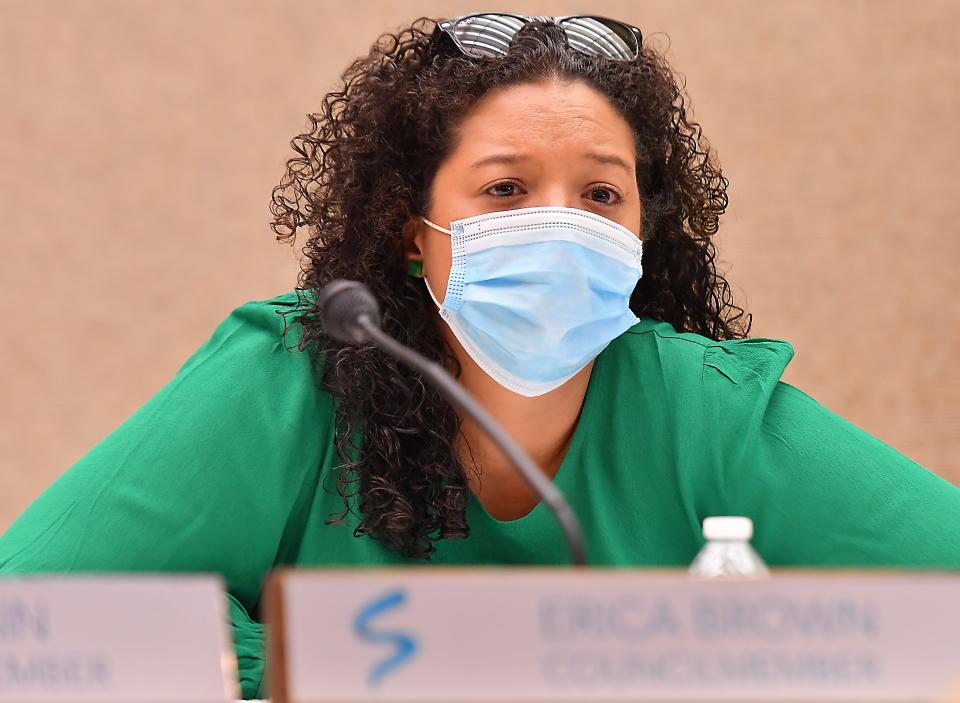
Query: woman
(533, 209)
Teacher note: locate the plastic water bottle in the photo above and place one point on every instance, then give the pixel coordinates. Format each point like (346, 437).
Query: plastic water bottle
(727, 553)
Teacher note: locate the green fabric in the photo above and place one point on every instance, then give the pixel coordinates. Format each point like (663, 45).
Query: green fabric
(229, 469)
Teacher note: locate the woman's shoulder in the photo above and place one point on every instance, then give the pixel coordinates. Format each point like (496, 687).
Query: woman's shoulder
(274, 318)
(687, 357)
(258, 332)
(761, 359)
(254, 357)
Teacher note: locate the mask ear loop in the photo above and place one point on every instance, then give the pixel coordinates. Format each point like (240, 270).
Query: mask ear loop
(442, 229)
(432, 296)
(429, 290)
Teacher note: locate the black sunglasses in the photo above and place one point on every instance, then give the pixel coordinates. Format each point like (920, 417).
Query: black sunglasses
(491, 33)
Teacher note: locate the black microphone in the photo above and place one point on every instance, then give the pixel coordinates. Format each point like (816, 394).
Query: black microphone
(350, 313)
(342, 303)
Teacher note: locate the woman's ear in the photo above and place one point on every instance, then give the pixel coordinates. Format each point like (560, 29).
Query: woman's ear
(411, 244)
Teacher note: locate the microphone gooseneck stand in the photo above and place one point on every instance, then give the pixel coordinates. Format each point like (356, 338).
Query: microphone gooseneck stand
(350, 313)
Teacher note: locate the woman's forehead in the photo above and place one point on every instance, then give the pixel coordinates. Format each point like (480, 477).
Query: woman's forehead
(548, 116)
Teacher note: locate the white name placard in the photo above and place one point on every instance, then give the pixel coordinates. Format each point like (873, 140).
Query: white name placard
(85, 638)
(611, 635)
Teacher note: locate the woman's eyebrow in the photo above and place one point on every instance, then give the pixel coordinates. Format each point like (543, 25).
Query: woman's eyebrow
(499, 159)
(611, 159)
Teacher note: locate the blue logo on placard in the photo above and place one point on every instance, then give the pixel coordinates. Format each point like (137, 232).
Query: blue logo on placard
(404, 646)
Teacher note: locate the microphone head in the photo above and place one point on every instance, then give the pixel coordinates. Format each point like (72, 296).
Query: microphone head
(342, 303)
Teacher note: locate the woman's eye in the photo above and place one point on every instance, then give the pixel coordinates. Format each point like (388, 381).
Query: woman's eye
(504, 189)
(605, 195)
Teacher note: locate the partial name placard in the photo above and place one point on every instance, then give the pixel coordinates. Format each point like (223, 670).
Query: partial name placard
(131, 638)
(611, 635)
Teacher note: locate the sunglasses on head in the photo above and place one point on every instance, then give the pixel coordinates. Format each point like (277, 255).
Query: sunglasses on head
(491, 33)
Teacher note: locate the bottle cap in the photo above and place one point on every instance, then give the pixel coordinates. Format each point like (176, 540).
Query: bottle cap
(728, 527)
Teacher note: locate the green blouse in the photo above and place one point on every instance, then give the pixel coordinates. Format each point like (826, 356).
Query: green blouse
(230, 469)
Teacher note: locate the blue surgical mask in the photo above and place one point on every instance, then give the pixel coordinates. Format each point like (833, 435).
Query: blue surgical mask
(535, 294)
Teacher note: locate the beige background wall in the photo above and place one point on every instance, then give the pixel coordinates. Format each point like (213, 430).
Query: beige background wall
(139, 141)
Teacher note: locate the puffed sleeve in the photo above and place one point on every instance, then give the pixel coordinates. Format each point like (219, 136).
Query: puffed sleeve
(820, 490)
(202, 478)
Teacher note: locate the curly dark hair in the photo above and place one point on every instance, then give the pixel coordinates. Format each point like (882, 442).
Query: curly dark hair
(365, 166)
